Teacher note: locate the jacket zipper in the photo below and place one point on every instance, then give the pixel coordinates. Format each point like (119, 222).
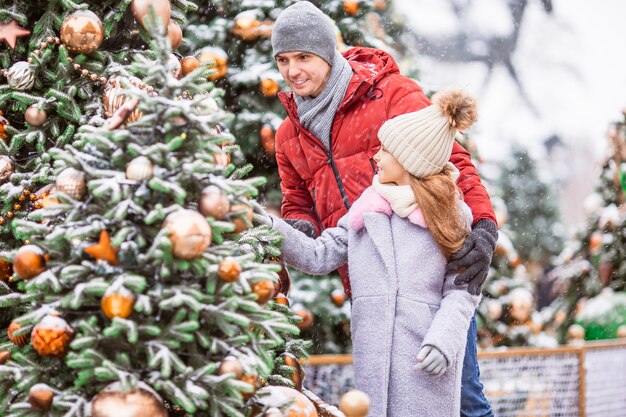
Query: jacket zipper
(331, 162)
(373, 164)
(317, 215)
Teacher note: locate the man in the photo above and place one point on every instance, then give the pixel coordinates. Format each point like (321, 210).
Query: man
(325, 148)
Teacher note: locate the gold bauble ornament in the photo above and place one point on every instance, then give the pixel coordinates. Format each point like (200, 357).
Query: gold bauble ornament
(575, 332)
(6, 168)
(40, 397)
(113, 99)
(190, 233)
(229, 270)
(217, 59)
(221, 159)
(140, 169)
(269, 87)
(175, 33)
(35, 116)
(381, 5)
(189, 64)
(213, 202)
(71, 182)
(17, 340)
(5, 355)
(252, 379)
(162, 9)
(242, 219)
(52, 336)
(351, 7)
(354, 403)
(307, 318)
(268, 140)
(117, 303)
(82, 32)
(264, 289)
(230, 364)
(6, 270)
(29, 261)
(298, 375)
(142, 401)
(298, 403)
(20, 76)
(3, 122)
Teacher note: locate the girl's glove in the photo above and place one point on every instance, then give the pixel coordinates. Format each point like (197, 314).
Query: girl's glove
(431, 360)
(475, 256)
(260, 215)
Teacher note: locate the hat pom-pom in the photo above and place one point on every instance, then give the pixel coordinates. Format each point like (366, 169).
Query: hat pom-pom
(458, 107)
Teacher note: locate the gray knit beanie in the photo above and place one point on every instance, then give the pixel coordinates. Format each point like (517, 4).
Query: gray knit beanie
(303, 27)
(422, 141)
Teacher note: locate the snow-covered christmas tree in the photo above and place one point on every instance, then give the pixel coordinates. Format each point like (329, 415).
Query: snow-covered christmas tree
(143, 283)
(593, 265)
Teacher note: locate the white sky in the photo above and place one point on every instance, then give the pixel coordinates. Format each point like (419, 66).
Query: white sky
(572, 64)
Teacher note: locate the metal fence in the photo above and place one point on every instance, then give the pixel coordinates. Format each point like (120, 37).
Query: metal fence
(587, 380)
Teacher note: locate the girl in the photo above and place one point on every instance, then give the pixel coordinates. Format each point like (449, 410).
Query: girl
(409, 319)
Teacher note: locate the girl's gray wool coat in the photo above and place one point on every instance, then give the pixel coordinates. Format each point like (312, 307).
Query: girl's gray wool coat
(402, 299)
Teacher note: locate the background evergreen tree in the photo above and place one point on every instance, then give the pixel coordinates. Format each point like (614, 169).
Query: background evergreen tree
(143, 280)
(532, 209)
(596, 258)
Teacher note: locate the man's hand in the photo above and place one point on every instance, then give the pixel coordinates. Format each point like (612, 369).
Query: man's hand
(475, 256)
(431, 360)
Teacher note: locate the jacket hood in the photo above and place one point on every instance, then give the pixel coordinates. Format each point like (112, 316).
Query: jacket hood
(369, 66)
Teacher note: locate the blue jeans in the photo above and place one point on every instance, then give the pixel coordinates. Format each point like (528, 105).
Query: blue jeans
(473, 401)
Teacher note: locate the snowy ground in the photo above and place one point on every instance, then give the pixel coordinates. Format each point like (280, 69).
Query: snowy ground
(570, 64)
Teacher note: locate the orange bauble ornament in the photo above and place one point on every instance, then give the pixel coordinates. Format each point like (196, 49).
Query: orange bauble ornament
(52, 336)
(175, 33)
(241, 217)
(17, 340)
(264, 290)
(114, 401)
(298, 404)
(162, 9)
(29, 261)
(351, 7)
(252, 379)
(217, 59)
(268, 140)
(229, 270)
(281, 299)
(338, 297)
(307, 318)
(117, 303)
(82, 32)
(298, 375)
(188, 64)
(269, 87)
(40, 397)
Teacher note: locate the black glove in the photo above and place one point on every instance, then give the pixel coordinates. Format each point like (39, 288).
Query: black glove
(475, 256)
(304, 226)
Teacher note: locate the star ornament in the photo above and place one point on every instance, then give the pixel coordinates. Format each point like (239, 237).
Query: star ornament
(103, 251)
(9, 32)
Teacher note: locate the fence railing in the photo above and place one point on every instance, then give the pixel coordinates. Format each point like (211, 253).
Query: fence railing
(586, 380)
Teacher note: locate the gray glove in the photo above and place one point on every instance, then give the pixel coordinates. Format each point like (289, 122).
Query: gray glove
(475, 256)
(304, 226)
(431, 360)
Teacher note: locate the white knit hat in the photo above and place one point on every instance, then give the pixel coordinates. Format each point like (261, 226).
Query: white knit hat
(422, 141)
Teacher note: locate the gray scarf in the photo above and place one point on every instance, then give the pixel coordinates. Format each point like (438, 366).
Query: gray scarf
(317, 114)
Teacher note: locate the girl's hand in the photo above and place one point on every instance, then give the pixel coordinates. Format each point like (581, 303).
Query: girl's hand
(431, 360)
